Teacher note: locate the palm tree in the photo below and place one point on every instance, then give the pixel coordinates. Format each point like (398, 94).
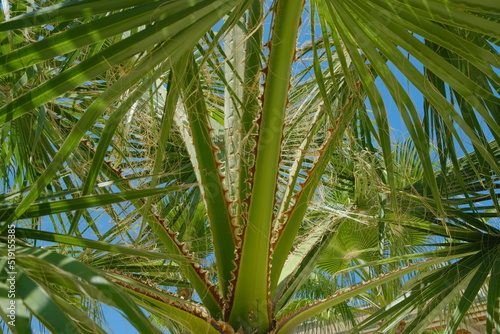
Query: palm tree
(194, 164)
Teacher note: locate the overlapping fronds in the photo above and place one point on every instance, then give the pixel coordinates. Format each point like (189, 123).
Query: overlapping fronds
(231, 166)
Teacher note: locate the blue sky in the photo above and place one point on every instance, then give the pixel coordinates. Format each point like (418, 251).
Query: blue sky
(117, 324)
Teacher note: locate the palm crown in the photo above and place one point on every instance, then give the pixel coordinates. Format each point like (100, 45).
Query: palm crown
(234, 162)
